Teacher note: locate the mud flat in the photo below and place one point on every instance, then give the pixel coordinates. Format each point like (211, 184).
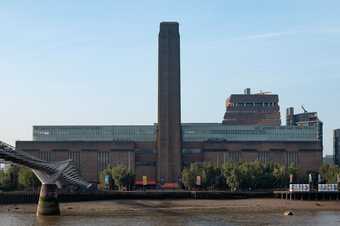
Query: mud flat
(160, 207)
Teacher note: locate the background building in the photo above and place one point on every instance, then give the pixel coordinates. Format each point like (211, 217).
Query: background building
(251, 131)
(252, 109)
(328, 159)
(337, 147)
(305, 119)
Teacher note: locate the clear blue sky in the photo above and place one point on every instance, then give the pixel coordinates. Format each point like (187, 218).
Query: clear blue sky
(95, 62)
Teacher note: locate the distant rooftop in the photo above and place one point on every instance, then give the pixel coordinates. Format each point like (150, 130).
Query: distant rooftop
(261, 109)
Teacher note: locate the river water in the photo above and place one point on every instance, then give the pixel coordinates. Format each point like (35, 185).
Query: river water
(277, 219)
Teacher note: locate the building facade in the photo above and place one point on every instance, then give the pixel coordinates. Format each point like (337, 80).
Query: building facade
(93, 148)
(252, 109)
(305, 119)
(328, 159)
(336, 147)
(251, 131)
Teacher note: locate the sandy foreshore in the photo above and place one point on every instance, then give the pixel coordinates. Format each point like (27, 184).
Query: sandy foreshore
(141, 207)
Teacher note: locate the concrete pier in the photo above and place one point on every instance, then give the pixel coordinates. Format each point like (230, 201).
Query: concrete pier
(48, 201)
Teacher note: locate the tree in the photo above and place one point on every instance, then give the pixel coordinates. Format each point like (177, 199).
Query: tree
(246, 175)
(280, 176)
(330, 173)
(27, 179)
(190, 174)
(9, 178)
(5, 181)
(188, 178)
(254, 175)
(231, 174)
(292, 169)
(212, 176)
(238, 176)
(106, 172)
(264, 177)
(121, 176)
(233, 180)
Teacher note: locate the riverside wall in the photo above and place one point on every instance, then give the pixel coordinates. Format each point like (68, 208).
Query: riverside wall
(33, 197)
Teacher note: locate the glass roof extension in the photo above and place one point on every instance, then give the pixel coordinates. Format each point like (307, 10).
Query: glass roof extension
(191, 132)
(94, 133)
(219, 132)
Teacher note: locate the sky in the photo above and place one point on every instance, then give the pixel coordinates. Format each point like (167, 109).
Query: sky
(95, 62)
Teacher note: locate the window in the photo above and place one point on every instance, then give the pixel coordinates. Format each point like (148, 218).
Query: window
(292, 158)
(75, 156)
(103, 160)
(146, 151)
(263, 156)
(232, 156)
(47, 155)
(191, 151)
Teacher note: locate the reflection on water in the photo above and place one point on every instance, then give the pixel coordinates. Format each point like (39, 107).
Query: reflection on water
(300, 219)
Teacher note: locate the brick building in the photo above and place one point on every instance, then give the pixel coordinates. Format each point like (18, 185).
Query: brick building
(252, 109)
(161, 150)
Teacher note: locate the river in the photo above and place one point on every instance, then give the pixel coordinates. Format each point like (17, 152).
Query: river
(300, 219)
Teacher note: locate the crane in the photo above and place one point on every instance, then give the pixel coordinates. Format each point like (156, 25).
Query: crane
(304, 109)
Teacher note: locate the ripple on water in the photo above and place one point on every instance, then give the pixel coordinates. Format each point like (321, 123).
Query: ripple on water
(300, 219)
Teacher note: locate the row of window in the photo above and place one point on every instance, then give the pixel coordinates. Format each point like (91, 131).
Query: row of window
(254, 104)
(255, 133)
(234, 156)
(50, 156)
(106, 158)
(263, 156)
(103, 158)
(106, 133)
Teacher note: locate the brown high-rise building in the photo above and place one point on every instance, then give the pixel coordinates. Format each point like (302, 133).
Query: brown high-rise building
(169, 103)
(252, 109)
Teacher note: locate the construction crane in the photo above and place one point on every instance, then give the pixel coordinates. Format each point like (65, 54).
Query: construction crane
(263, 93)
(304, 109)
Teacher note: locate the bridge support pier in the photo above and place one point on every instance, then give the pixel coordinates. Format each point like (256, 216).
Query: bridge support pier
(48, 201)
